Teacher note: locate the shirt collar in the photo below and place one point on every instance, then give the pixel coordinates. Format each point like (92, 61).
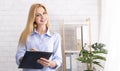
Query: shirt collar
(48, 33)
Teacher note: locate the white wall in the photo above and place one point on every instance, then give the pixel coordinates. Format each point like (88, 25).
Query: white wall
(13, 16)
(110, 22)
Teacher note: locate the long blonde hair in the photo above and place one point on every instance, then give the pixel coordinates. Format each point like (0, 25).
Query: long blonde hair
(31, 23)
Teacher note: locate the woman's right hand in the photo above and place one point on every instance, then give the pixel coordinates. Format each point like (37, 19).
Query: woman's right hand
(33, 49)
(21, 59)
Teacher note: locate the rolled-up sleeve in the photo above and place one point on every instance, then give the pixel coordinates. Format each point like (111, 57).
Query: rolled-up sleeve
(20, 53)
(57, 56)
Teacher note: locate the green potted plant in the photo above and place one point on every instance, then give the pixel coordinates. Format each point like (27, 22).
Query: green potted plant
(91, 54)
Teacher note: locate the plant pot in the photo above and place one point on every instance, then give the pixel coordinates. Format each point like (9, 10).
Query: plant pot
(88, 70)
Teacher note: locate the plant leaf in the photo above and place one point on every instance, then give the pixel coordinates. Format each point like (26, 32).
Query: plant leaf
(97, 63)
(99, 57)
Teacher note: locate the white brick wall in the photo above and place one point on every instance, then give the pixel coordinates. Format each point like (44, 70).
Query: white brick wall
(13, 16)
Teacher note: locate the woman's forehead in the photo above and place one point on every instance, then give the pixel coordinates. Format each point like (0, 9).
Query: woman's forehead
(40, 10)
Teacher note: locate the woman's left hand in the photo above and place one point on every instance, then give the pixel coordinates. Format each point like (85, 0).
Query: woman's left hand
(46, 62)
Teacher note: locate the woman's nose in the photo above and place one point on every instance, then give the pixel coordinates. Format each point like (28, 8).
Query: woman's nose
(42, 16)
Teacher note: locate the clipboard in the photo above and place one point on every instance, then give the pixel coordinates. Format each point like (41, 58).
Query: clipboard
(30, 59)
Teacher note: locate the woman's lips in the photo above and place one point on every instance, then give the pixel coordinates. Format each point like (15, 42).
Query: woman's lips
(43, 20)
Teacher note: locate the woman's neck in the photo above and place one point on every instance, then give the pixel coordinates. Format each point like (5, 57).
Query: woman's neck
(41, 29)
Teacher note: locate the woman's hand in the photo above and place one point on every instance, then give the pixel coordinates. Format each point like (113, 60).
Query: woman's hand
(33, 49)
(21, 59)
(46, 62)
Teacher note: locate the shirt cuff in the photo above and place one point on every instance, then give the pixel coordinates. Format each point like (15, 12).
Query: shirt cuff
(58, 64)
(18, 59)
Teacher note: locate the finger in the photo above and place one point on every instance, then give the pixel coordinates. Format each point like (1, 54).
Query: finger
(33, 49)
(44, 63)
(45, 60)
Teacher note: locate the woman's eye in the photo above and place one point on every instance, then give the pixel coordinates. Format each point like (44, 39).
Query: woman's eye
(37, 15)
(44, 12)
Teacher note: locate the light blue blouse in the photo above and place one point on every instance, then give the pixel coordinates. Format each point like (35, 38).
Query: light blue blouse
(48, 42)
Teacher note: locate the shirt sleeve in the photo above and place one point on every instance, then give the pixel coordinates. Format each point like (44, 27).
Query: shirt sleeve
(20, 53)
(57, 54)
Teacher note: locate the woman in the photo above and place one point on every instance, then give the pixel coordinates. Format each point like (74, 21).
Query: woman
(37, 37)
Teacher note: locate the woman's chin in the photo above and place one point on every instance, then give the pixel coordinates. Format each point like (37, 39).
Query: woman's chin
(42, 23)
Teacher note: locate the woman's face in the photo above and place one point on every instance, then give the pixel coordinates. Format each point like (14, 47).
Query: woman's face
(41, 16)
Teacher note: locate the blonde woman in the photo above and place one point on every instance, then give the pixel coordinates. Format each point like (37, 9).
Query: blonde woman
(37, 37)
